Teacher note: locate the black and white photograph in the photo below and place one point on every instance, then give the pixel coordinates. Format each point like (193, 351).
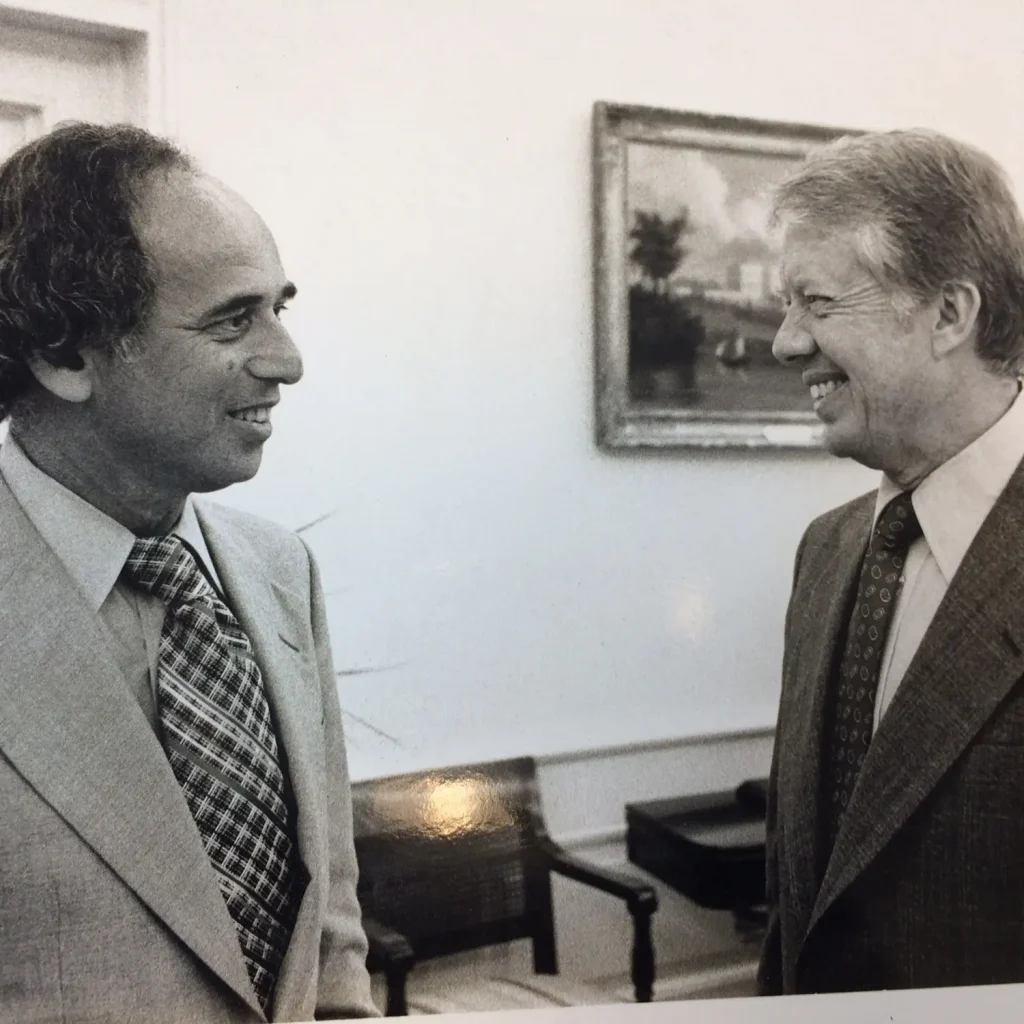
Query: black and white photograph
(511, 512)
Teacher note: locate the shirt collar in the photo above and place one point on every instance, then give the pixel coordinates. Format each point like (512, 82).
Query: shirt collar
(92, 546)
(954, 500)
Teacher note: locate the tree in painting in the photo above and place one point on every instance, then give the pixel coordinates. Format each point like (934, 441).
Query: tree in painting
(663, 335)
(656, 249)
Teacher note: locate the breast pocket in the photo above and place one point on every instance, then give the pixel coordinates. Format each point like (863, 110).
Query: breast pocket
(1005, 728)
(991, 774)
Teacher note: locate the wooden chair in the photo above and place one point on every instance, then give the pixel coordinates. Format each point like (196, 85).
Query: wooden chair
(458, 859)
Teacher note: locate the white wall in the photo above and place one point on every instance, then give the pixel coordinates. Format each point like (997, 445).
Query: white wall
(425, 167)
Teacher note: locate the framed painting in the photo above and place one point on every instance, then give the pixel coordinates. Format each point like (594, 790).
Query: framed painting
(686, 281)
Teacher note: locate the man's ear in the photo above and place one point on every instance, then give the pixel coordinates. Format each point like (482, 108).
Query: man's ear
(956, 317)
(72, 381)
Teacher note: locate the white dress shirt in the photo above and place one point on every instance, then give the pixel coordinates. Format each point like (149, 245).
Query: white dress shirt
(93, 548)
(951, 504)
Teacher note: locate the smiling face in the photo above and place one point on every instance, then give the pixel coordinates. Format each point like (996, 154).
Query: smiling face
(189, 409)
(870, 371)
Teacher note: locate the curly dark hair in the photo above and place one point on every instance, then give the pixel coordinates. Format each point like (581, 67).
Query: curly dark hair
(72, 270)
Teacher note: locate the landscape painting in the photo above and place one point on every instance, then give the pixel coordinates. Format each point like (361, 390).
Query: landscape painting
(687, 281)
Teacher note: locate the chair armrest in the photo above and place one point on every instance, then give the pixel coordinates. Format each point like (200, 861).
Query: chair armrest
(638, 895)
(641, 901)
(387, 947)
(753, 795)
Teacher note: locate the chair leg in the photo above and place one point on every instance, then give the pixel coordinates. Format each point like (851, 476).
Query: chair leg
(395, 977)
(545, 955)
(643, 955)
(542, 923)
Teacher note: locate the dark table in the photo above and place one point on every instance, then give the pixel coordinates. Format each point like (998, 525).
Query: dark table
(710, 848)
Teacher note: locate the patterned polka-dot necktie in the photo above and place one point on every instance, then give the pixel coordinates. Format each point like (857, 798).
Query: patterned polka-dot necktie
(849, 721)
(222, 749)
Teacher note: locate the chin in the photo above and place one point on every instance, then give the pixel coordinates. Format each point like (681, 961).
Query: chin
(219, 477)
(844, 444)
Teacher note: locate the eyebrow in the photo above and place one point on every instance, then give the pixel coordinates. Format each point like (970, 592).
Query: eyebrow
(240, 302)
(801, 287)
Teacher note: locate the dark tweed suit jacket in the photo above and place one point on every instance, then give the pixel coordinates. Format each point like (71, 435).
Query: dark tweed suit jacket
(925, 886)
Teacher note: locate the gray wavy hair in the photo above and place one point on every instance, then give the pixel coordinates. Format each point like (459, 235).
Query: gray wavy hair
(924, 210)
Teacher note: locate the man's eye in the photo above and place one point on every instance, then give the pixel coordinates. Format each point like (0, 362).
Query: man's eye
(232, 325)
(240, 320)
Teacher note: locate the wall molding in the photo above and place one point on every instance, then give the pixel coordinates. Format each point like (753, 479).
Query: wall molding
(587, 840)
(651, 746)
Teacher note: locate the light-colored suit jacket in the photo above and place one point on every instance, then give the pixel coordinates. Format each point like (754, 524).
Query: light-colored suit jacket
(109, 908)
(925, 884)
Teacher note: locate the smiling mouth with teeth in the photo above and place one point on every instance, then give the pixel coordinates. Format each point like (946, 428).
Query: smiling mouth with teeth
(819, 392)
(257, 415)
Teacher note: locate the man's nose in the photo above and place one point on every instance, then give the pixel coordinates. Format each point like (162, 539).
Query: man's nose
(793, 341)
(277, 358)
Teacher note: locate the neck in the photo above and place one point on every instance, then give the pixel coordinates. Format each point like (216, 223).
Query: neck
(956, 425)
(121, 494)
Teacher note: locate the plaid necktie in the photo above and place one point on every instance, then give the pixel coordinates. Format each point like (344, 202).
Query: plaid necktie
(849, 722)
(221, 746)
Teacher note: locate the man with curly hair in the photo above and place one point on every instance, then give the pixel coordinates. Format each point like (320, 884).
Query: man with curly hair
(176, 841)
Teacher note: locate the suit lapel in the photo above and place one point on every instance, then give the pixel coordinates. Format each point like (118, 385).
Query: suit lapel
(969, 659)
(276, 619)
(823, 603)
(70, 726)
